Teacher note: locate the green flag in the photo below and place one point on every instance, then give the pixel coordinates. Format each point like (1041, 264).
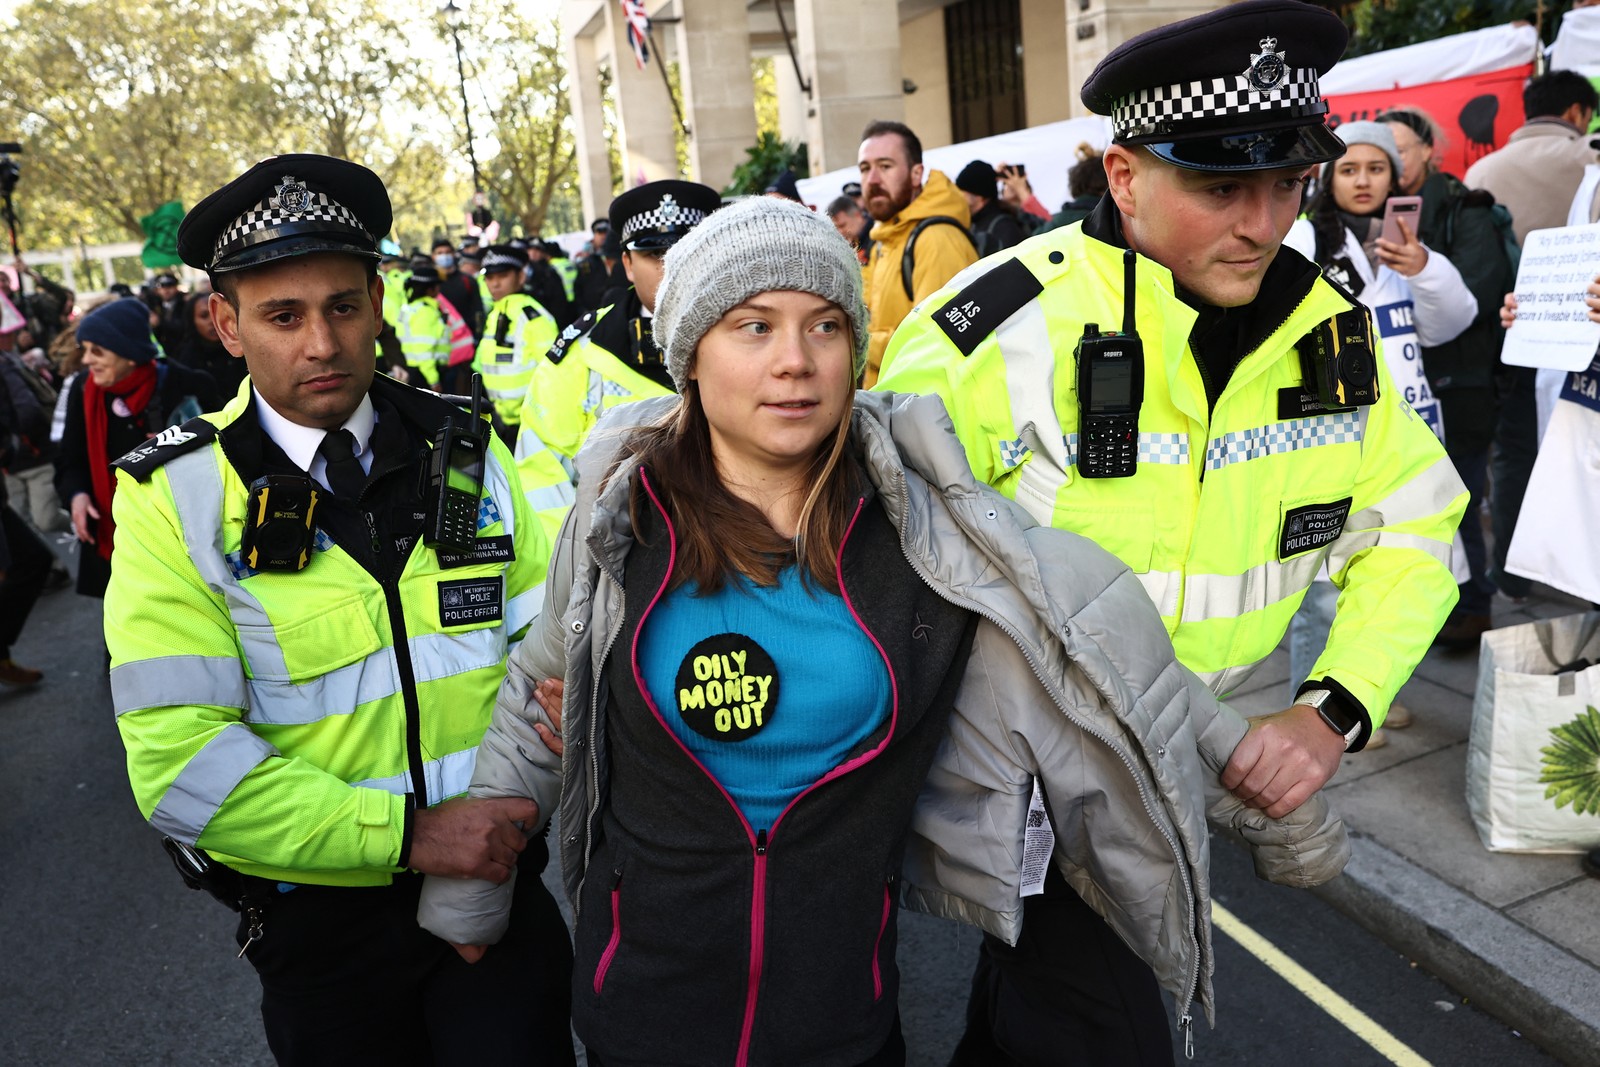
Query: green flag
(161, 235)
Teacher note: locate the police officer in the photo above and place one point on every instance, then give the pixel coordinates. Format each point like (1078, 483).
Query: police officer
(607, 357)
(1212, 463)
(517, 334)
(302, 675)
(423, 327)
(541, 281)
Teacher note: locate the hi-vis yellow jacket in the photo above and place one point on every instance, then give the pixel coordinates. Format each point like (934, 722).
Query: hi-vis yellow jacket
(1231, 512)
(516, 335)
(577, 382)
(285, 721)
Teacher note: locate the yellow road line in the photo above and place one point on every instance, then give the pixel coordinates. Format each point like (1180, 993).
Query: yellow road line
(1347, 1014)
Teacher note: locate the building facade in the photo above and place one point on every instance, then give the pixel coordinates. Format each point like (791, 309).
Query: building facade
(953, 70)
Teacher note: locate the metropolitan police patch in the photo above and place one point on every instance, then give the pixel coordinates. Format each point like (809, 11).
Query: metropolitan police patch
(1312, 526)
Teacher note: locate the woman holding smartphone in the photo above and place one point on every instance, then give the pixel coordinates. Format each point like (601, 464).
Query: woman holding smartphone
(812, 669)
(1416, 298)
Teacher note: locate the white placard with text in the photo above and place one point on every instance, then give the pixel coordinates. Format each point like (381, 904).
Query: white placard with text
(1553, 327)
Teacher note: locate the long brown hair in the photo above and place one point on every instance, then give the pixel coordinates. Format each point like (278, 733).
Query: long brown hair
(719, 534)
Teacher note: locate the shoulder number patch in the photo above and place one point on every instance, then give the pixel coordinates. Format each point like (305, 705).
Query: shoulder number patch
(558, 351)
(165, 446)
(978, 310)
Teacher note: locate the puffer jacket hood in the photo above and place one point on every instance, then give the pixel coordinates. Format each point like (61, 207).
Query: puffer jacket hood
(1071, 679)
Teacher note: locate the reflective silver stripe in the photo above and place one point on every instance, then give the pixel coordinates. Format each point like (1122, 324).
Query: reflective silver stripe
(524, 608)
(377, 677)
(1162, 587)
(1031, 367)
(1228, 596)
(550, 497)
(497, 392)
(1425, 495)
(1275, 438)
(447, 777)
(1362, 540)
(206, 780)
(528, 445)
(499, 485)
(196, 483)
(215, 681)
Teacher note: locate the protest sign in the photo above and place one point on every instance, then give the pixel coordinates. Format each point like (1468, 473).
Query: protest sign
(1553, 327)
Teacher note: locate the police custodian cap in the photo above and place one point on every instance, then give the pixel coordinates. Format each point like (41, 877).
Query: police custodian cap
(287, 206)
(654, 216)
(1230, 90)
(504, 257)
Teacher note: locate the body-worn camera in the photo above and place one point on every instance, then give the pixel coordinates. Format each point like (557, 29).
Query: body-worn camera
(1340, 362)
(280, 526)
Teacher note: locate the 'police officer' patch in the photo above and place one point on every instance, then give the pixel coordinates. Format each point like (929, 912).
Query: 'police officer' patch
(1312, 526)
(727, 688)
(467, 601)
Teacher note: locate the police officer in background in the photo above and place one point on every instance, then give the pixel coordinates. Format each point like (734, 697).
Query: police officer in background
(541, 281)
(1211, 462)
(302, 670)
(516, 335)
(607, 357)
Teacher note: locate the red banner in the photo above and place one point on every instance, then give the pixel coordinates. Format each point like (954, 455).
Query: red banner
(1475, 114)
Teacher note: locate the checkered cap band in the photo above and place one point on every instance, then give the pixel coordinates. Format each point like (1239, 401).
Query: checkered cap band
(1165, 108)
(500, 261)
(264, 216)
(669, 214)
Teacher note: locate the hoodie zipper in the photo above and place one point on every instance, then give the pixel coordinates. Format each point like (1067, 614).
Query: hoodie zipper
(1177, 850)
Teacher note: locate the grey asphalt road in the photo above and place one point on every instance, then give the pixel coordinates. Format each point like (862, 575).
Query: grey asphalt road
(108, 959)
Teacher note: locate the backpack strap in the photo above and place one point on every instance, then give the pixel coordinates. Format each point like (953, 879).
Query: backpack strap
(908, 263)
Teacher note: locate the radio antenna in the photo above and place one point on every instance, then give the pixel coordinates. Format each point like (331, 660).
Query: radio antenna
(1129, 260)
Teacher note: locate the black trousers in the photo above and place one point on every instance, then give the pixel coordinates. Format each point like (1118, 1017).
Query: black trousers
(1070, 994)
(27, 563)
(348, 977)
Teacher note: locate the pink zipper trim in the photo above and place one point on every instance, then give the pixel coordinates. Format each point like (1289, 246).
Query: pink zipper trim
(758, 952)
(877, 946)
(616, 940)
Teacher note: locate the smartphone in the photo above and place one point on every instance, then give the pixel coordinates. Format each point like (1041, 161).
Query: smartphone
(1018, 169)
(1397, 208)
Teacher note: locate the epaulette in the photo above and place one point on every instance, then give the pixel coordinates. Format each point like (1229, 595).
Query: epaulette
(978, 310)
(582, 326)
(166, 446)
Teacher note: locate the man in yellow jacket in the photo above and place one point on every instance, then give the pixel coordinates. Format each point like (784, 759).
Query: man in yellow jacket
(303, 661)
(1167, 380)
(920, 240)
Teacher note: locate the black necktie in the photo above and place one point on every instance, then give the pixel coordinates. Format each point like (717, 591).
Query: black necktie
(345, 475)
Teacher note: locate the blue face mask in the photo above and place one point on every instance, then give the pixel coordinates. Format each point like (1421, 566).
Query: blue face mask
(445, 261)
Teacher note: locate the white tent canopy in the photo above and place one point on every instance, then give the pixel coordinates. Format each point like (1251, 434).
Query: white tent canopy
(1458, 56)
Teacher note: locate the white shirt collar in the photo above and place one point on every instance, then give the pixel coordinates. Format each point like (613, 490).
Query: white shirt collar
(300, 443)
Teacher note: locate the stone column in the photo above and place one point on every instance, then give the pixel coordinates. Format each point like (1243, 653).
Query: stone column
(719, 98)
(850, 52)
(645, 120)
(589, 127)
(1049, 89)
(792, 103)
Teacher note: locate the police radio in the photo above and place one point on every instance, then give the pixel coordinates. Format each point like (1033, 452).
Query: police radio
(1338, 360)
(280, 526)
(455, 480)
(1110, 390)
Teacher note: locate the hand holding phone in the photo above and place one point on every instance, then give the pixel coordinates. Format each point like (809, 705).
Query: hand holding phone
(1398, 208)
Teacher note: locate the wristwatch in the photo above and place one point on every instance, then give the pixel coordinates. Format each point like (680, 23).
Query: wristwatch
(1338, 720)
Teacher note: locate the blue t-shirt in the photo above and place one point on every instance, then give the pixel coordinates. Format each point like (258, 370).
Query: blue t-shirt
(769, 688)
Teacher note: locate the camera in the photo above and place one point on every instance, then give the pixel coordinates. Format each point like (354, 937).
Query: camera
(1339, 360)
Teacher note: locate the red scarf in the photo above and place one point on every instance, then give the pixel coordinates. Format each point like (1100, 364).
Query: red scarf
(135, 390)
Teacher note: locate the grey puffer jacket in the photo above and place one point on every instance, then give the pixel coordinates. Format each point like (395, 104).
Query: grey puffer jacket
(1071, 678)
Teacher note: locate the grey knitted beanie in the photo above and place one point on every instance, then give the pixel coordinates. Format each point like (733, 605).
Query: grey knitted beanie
(1376, 134)
(759, 245)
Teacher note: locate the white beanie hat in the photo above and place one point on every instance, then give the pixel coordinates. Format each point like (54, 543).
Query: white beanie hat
(759, 245)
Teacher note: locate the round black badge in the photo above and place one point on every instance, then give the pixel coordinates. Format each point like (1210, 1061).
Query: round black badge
(727, 688)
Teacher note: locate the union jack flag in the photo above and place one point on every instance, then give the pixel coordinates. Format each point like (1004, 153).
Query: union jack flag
(638, 30)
